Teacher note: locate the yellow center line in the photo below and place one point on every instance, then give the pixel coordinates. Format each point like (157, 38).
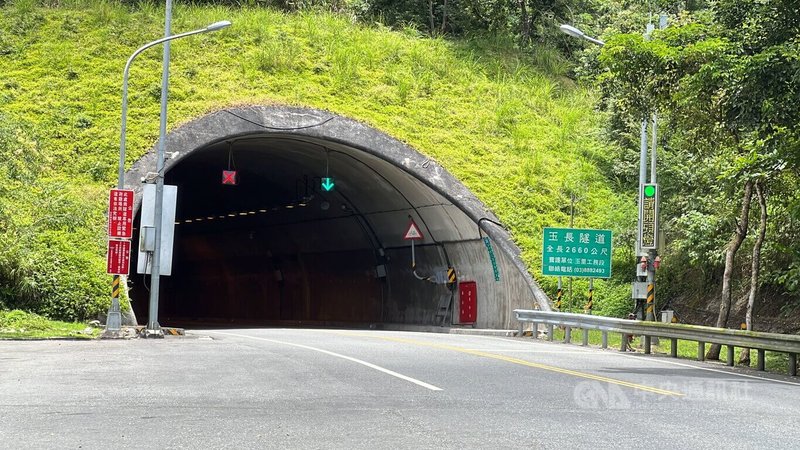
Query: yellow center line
(521, 362)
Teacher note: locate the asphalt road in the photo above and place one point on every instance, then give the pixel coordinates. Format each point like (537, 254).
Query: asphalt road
(278, 388)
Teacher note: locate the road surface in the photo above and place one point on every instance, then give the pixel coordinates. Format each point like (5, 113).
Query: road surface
(299, 388)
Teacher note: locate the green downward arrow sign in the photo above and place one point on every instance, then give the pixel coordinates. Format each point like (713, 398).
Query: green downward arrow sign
(327, 184)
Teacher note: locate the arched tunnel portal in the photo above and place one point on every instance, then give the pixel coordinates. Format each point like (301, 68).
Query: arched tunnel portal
(278, 247)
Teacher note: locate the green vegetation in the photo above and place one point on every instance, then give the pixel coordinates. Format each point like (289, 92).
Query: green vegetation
(507, 123)
(483, 88)
(18, 324)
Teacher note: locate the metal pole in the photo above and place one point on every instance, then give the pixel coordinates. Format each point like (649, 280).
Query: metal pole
(114, 310)
(559, 294)
(153, 328)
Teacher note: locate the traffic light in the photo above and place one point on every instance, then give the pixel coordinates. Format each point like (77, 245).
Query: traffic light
(327, 184)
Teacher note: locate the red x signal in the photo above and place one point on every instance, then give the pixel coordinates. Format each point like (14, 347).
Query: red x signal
(229, 177)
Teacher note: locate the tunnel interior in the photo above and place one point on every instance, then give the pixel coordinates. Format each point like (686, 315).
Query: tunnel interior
(278, 247)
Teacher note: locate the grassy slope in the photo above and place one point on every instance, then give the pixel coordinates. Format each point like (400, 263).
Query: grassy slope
(518, 134)
(22, 325)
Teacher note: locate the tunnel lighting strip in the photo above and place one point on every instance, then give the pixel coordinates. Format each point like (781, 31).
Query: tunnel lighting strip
(235, 214)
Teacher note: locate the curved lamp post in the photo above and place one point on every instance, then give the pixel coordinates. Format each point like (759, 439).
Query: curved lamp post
(575, 32)
(213, 27)
(650, 255)
(114, 319)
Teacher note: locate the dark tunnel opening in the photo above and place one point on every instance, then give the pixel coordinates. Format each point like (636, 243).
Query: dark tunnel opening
(278, 247)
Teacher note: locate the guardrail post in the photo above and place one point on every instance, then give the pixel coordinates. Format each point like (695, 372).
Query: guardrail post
(604, 334)
(521, 326)
(730, 355)
(567, 335)
(550, 336)
(585, 337)
(761, 364)
(701, 351)
(623, 346)
(792, 364)
(647, 345)
(673, 347)
(534, 330)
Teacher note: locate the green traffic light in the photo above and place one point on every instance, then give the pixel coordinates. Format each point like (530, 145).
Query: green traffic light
(649, 191)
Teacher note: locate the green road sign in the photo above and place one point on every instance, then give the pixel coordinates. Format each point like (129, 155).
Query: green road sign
(576, 252)
(327, 184)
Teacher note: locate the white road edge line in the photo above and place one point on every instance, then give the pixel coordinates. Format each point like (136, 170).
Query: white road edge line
(639, 356)
(355, 360)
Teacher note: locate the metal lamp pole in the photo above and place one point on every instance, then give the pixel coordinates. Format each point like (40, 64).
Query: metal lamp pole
(115, 308)
(651, 254)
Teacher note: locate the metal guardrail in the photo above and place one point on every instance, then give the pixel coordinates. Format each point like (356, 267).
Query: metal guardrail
(762, 342)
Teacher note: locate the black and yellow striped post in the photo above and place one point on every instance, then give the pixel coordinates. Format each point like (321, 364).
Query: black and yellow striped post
(115, 288)
(452, 280)
(651, 296)
(590, 304)
(114, 317)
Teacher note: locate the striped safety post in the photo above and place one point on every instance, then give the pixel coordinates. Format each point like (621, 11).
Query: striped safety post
(651, 295)
(115, 287)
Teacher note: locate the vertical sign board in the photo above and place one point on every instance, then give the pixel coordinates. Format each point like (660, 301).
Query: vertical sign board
(120, 214)
(648, 211)
(468, 302)
(144, 262)
(118, 259)
(576, 252)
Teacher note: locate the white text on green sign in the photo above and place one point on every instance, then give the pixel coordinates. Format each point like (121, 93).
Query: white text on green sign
(576, 252)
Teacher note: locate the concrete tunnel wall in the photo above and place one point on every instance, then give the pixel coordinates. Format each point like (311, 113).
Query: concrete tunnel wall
(404, 299)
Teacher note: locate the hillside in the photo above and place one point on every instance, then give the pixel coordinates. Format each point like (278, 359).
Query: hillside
(510, 125)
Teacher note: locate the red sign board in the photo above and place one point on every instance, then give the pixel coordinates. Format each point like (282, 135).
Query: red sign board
(413, 233)
(229, 177)
(468, 302)
(119, 257)
(120, 214)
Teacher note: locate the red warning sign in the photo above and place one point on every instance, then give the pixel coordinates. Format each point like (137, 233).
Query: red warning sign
(413, 233)
(120, 213)
(119, 257)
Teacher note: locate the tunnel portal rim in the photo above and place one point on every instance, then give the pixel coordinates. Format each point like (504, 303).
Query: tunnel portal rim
(275, 121)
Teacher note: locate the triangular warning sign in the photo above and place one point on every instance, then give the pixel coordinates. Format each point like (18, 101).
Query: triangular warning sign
(413, 232)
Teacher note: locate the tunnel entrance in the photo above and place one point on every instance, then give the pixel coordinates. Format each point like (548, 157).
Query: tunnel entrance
(279, 247)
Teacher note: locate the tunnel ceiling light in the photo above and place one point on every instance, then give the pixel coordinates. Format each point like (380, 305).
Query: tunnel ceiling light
(242, 214)
(289, 206)
(262, 210)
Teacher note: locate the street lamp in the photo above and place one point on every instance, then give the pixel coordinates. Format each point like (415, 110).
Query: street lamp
(575, 32)
(113, 322)
(649, 257)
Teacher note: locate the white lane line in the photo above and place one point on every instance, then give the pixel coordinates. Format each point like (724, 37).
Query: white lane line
(355, 360)
(638, 356)
(641, 358)
(709, 369)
